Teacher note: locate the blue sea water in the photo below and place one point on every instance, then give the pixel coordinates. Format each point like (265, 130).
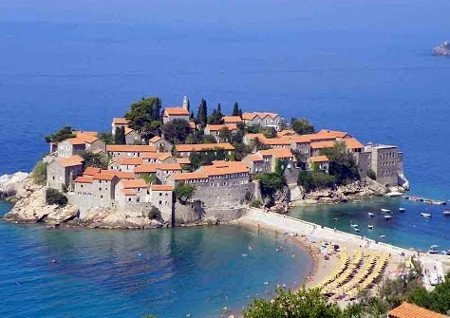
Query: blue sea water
(364, 67)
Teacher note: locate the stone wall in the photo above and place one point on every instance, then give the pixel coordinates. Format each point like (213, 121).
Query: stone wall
(194, 213)
(223, 196)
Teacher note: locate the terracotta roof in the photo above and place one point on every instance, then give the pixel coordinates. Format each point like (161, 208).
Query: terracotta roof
(323, 144)
(120, 121)
(164, 155)
(153, 167)
(232, 119)
(168, 166)
(319, 159)
(224, 168)
(71, 161)
(151, 155)
(84, 179)
(255, 157)
(129, 161)
(353, 143)
(120, 174)
(183, 161)
(203, 147)
(76, 141)
(269, 141)
(277, 153)
(155, 139)
(333, 133)
(90, 171)
(407, 310)
(146, 168)
(220, 127)
(161, 187)
(189, 176)
(130, 148)
(176, 111)
(250, 116)
(128, 130)
(104, 175)
(133, 184)
(87, 137)
(286, 132)
(129, 192)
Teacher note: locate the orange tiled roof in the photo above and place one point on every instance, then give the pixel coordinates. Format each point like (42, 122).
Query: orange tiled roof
(189, 176)
(161, 187)
(203, 147)
(224, 167)
(286, 132)
(146, 168)
(407, 310)
(128, 192)
(323, 144)
(183, 161)
(84, 179)
(128, 130)
(155, 139)
(276, 141)
(352, 143)
(220, 127)
(255, 157)
(333, 133)
(176, 111)
(120, 174)
(319, 159)
(232, 119)
(168, 166)
(104, 175)
(164, 155)
(130, 148)
(90, 171)
(277, 153)
(133, 184)
(251, 116)
(120, 121)
(129, 161)
(71, 161)
(151, 155)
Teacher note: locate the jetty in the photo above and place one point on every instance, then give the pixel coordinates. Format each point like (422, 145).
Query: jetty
(425, 200)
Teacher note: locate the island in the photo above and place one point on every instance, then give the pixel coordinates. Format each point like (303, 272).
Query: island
(442, 49)
(168, 167)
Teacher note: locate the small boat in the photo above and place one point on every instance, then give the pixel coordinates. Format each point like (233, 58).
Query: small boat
(370, 226)
(382, 236)
(388, 217)
(354, 225)
(426, 214)
(356, 229)
(394, 194)
(385, 211)
(402, 209)
(433, 249)
(446, 213)
(370, 214)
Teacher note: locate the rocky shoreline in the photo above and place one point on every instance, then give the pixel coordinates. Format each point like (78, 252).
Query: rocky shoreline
(442, 49)
(30, 206)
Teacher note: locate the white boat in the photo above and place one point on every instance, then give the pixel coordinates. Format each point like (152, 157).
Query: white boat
(370, 226)
(426, 214)
(446, 213)
(388, 217)
(382, 236)
(394, 194)
(385, 211)
(354, 225)
(370, 214)
(356, 229)
(433, 249)
(402, 209)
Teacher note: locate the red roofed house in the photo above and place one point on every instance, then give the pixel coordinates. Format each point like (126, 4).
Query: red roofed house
(407, 310)
(119, 123)
(161, 144)
(220, 132)
(62, 171)
(84, 141)
(263, 119)
(185, 150)
(171, 113)
(319, 163)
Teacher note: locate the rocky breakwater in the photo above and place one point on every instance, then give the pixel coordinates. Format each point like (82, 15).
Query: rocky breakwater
(442, 49)
(353, 191)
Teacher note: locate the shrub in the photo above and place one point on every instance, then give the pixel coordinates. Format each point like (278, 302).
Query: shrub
(312, 181)
(184, 192)
(270, 182)
(39, 173)
(53, 196)
(256, 204)
(371, 174)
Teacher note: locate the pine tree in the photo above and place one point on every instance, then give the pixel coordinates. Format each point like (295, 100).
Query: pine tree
(119, 136)
(219, 108)
(236, 110)
(202, 114)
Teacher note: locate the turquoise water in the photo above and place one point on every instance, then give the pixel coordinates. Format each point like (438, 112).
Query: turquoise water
(364, 67)
(407, 229)
(167, 272)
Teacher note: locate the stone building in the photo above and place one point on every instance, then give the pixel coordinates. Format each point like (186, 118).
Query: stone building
(263, 119)
(319, 163)
(129, 150)
(221, 133)
(127, 164)
(171, 113)
(62, 171)
(132, 137)
(386, 161)
(161, 144)
(185, 150)
(119, 123)
(83, 141)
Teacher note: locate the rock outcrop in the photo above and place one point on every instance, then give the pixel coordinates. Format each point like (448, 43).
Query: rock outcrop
(10, 184)
(353, 191)
(442, 49)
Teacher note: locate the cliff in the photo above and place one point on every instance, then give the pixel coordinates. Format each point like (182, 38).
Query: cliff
(442, 49)
(353, 191)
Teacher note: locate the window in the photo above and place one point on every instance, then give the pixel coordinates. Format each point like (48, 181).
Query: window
(101, 197)
(160, 202)
(99, 189)
(160, 194)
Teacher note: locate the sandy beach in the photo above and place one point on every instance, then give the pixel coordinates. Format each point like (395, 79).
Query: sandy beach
(318, 241)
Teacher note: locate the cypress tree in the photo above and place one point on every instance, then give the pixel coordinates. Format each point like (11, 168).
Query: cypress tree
(202, 114)
(236, 110)
(119, 136)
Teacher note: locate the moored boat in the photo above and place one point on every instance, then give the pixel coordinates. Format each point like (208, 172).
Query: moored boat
(385, 211)
(370, 226)
(370, 214)
(356, 229)
(433, 249)
(426, 214)
(446, 213)
(394, 194)
(402, 209)
(388, 217)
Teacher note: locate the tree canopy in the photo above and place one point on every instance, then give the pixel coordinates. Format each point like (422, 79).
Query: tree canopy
(144, 112)
(98, 160)
(61, 135)
(202, 114)
(302, 126)
(237, 111)
(342, 163)
(216, 117)
(183, 192)
(119, 136)
(176, 131)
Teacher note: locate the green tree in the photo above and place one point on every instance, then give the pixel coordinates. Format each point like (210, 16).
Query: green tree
(183, 192)
(302, 126)
(270, 182)
(312, 181)
(119, 136)
(106, 137)
(437, 300)
(199, 159)
(236, 110)
(61, 135)
(216, 117)
(176, 131)
(53, 196)
(301, 304)
(39, 173)
(149, 178)
(202, 114)
(342, 163)
(98, 160)
(269, 132)
(151, 129)
(144, 112)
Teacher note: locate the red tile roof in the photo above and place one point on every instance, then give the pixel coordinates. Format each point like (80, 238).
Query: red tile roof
(232, 119)
(130, 148)
(84, 179)
(176, 111)
(71, 161)
(90, 171)
(319, 159)
(407, 310)
(161, 187)
(352, 143)
(323, 144)
(129, 161)
(250, 116)
(133, 184)
(277, 153)
(120, 121)
(229, 127)
(203, 147)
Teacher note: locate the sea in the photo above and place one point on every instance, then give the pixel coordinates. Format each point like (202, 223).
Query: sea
(363, 67)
